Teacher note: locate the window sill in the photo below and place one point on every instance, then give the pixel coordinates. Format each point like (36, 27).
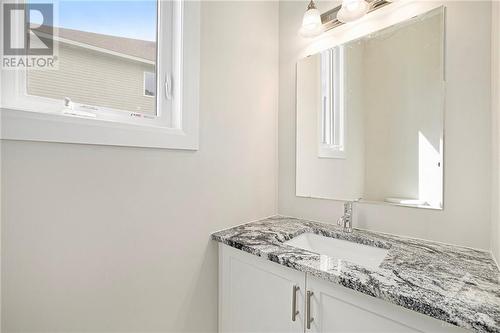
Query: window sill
(35, 126)
(325, 151)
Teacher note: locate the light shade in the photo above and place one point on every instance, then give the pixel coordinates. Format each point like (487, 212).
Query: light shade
(352, 10)
(311, 23)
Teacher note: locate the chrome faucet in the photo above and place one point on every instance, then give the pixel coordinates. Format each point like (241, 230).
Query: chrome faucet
(346, 220)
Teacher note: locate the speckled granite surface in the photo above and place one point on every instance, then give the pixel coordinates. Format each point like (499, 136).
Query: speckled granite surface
(455, 284)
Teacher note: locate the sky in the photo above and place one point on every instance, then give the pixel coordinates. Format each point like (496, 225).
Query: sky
(129, 18)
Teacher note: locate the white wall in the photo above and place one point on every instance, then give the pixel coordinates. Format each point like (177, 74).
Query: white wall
(495, 75)
(104, 239)
(466, 216)
(403, 111)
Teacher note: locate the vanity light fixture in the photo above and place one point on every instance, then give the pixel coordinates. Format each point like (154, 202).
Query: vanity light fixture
(314, 23)
(311, 22)
(352, 10)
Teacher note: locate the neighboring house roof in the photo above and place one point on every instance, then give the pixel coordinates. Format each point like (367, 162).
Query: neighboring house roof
(135, 48)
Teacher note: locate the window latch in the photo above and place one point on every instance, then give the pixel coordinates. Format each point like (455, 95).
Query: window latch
(71, 110)
(68, 103)
(168, 86)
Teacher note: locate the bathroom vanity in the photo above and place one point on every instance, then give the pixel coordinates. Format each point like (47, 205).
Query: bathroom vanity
(284, 274)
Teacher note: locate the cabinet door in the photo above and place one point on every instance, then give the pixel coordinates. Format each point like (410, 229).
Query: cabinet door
(256, 295)
(338, 309)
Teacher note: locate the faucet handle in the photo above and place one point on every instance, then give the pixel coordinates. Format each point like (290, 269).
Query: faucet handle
(340, 221)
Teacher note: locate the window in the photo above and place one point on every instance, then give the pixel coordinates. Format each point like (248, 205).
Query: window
(149, 84)
(120, 75)
(331, 118)
(100, 63)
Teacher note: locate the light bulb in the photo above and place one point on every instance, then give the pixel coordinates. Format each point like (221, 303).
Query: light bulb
(311, 23)
(352, 6)
(352, 10)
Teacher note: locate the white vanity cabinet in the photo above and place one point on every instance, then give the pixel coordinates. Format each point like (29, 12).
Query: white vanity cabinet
(257, 295)
(335, 308)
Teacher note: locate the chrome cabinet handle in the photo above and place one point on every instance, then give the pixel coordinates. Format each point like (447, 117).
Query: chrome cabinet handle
(309, 319)
(295, 312)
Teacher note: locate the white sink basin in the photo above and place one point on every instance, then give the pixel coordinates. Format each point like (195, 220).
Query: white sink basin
(364, 255)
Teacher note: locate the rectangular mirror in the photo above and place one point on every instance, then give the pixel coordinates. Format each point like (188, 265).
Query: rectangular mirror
(370, 117)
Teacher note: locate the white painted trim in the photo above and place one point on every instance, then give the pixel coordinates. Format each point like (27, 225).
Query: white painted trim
(42, 119)
(326, 151)
(336, 109)
(36, 126)
(189, 82)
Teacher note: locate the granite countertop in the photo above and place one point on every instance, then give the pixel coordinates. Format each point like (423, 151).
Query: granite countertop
(455, 284)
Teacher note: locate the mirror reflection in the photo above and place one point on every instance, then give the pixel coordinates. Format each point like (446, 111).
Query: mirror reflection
(370, 117)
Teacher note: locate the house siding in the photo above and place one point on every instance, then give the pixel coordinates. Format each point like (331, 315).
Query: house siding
(94, 78)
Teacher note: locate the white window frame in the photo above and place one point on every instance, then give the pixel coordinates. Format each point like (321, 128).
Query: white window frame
(144, 84)
(34, 118)
(331, 117)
